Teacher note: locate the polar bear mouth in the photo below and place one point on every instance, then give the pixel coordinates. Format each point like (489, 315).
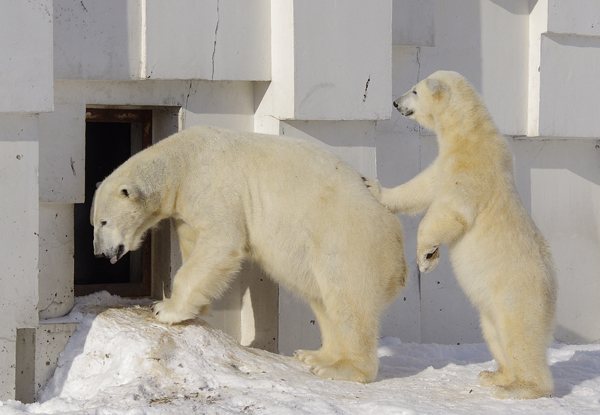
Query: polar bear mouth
(119, 254)
(408, 113)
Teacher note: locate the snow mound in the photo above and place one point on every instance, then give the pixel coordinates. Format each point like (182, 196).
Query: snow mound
(121, 361)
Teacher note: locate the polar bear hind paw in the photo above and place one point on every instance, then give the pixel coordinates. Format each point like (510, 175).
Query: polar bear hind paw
(488, 379)
(169, 312)
(312, 357)
(344, 370)
(520, 390)
(308, 357)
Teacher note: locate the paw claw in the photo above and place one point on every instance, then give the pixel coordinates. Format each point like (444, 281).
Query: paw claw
(170, 312)
(429, 259)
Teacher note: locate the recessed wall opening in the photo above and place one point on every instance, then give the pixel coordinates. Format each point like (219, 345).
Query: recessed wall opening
(111, 137)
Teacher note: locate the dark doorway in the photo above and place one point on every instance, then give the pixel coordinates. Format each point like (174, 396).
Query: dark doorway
(111, 137)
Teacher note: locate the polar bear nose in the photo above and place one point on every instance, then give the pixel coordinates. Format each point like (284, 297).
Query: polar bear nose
(396, 104)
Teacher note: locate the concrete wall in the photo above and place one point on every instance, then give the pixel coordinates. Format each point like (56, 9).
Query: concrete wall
(27, 89)
(324, 72)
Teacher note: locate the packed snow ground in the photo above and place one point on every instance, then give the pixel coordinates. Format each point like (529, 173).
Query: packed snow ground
(121, 361)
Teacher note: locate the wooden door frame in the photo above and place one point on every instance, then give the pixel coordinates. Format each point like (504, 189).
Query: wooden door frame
(143, 288)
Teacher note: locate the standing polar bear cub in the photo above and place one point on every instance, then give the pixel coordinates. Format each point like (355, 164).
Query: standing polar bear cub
(500, 258)
(300, 212)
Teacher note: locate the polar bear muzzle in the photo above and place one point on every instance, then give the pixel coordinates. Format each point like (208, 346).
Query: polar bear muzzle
(113, 254)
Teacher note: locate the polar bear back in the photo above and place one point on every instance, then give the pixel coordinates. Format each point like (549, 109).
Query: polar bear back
(301, 209)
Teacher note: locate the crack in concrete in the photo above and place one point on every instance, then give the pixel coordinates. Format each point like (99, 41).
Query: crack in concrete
(185, 106)
(212, 76)
(366, 88)
(419, 125)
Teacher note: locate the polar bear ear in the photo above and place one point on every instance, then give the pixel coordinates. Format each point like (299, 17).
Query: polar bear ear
(130, 191)
(434, 86)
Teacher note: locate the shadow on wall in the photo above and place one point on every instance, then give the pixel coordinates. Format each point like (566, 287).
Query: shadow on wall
(568, 336)
(514, 6)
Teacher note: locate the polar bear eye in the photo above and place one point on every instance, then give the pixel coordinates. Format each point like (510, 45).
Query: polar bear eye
(103, 222)
(414, 91)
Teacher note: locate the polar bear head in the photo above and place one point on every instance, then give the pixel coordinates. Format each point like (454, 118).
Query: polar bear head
(122, 211)
(435, 95)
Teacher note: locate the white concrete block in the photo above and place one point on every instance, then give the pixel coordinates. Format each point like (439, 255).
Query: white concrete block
(458, 39)
(179, 39)
(353, 141)
(25, 366)
(538, 24)
(242, 41)
(220, 104)
(18, 127)
(560, 178)
(62, 153)
(298, 327)
(278, 99)
(97, 39)
(332, 60)
(504, 34)
(259, 310)
(8, 337)
(569, 86)
(56, 260)
(26, 50)
(217, 40)
(19, 218)
(581, 17)
(413, 22)
(567, 208)
(343, 60)
(50, 341)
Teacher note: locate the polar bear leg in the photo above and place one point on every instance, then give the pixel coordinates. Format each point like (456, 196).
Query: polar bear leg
(356, 362)
(446, 220)
(187, 237)
(525, 346)
(326, 354)
(203, 276)
(503, 375)
(354, 331)
(410, 198)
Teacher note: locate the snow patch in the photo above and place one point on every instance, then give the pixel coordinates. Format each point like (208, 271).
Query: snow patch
(122, 361)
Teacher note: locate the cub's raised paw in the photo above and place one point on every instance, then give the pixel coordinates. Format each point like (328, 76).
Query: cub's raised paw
(429, 259)
(374, 186)
(169, 312)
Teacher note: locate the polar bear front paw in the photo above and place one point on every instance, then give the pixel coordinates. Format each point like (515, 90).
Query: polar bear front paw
(170, 312)
(374, 186)
(429, 259)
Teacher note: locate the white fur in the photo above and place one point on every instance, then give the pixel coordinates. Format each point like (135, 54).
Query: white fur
(303, 214)
(500, 258)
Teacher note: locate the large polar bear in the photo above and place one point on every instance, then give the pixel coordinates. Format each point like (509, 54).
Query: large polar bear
(500, 258)
(300, 212)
